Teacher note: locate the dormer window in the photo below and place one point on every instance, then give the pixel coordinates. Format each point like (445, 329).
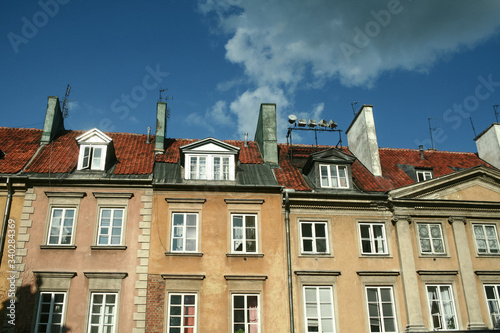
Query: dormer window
(333, 176)
(96, 150)
(209, 159)
(210, 167)
(423, 175)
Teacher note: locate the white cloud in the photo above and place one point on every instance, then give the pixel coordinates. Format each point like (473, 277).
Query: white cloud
(218, 114)
(283, 45)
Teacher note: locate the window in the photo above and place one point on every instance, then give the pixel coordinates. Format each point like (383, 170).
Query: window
(373, 239)
(184, 232)
(110, 227)
(441, 307)
(92, 157)
(182, 313)
(486, 238)
(102, 317)
(423, 175)
(61, 226)
(493, 299)
(210, 167)
(318, 305)
(244, 234)
(431, 238)
(314, 238)
(50, 315)
(246, 313)
(333, 176)
(381, 313)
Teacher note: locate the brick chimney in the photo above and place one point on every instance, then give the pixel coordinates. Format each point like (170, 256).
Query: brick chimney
(265, 134)
(54, 122)
(362, 140)
(488, 145)
(161, 117)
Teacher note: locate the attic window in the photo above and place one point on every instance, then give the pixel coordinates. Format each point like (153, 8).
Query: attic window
(423, 175)
(209, 159)
(2, 154)
(96, 150)
(92, 157)
(333, 176)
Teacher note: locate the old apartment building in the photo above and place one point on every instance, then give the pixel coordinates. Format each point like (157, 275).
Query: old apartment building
(119, 232)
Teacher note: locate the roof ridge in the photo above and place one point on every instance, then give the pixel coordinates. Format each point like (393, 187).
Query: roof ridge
(426, 150)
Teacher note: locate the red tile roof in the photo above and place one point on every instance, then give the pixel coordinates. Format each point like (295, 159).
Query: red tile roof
(18, 145)
(392, 177)
(247, 155)
(133, 154)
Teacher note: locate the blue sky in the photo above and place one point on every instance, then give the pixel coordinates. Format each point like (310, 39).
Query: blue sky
(220, 59)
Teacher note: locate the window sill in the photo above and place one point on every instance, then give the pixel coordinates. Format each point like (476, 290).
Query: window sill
(486, 255)
(184, 254)
(104, 247)
(320, 255)
(375, 255)
(434, 255)
(58, 247)
(245, 255)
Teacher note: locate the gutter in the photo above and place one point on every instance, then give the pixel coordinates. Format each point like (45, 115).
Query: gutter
(6, 217)
(289, 261)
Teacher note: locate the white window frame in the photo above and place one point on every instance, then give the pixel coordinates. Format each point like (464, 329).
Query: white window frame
(244, 228)
(486, 239)
(51, 313)
(87, 160)
(109, 233)
(183, 316)
(493, 304)
(380, 309)
(100, 325)
(314, 238)
(371, 238)
(61, 227)
(210, 173)
(441, 308)
(184, 237)
(423, 175)
(318, 306)
(246, 311)
(431, 238)
(337, 177)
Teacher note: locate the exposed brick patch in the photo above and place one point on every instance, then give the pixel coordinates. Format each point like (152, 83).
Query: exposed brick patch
(155, 305)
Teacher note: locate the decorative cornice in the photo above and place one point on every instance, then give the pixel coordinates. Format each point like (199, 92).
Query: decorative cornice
(186, 200)
(246, 277)
(432, 272)
(106, 275)
(113, 195)
(244, 201)
(378, 273)
(453, 219)
(55, 194)
(397, 218)
(317, 273)
(46, 274)
(183, 276)
(487, 272)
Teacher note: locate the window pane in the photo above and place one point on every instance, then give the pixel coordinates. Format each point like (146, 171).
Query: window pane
(324, 175)
(306, 229)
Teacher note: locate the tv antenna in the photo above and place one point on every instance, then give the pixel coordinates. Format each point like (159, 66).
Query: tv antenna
(495, 108)
(473, 128)
(430, 131)
(65, 108)
(166, 98)
(353, 106)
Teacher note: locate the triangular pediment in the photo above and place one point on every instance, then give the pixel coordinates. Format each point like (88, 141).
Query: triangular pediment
(94, 136)
(209, 145)
(328, 156)
(475, 184)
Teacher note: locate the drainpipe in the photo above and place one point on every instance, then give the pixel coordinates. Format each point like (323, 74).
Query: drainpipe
(6, 217)
(289, 261)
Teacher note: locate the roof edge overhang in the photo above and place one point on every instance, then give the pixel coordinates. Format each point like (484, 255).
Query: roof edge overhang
(219, 188)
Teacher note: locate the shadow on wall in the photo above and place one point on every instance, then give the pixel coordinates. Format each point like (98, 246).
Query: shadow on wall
(20, 317)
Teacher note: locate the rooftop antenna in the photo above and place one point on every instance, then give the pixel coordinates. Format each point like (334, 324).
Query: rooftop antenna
(430, 131)
(166, 98)
(495, 108)
(353, 106)
(66, 100)
(473, 129)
